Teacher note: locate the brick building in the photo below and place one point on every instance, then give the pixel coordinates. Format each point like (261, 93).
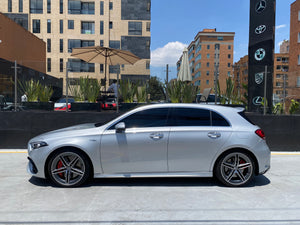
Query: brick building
(211, 53)
(294, 53)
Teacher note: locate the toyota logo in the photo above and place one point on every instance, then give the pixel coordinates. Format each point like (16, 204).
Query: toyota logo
(260, 29)
(260, 54)
(260, 6)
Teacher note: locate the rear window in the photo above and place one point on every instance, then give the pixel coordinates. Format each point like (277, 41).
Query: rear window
(218, 121)
(242, 114)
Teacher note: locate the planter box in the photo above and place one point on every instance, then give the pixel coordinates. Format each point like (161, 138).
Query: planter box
(48, 106)
(85, 106)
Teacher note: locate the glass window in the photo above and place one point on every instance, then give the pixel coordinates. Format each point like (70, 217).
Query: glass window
(148, 65)
(87, 8)
(20, 6)
(198, 66)
(113, 69)
(146, 118)
(77, 65)
(228, 73)
(298, 81)
(114, 44)
(218, 120)
(134, 28)
(208, 46)
(299, 15)
(48, 26)
(36, 6)
(48, 64)
(229, 47)
(61, 6)
(48, 6)
(148, 26)
(110, 25)
(198, 57)
(217, 46)
(228, 65)
(48, 45)
(87, 27)
(9, 7)
(197, 83)
(207, 73)
(36, 26)
(101, 7)
(61, 65)
(198, 48)
(229, 56)
(298, 37)
(189, 117)
(298, 59)
(111, 5)
(102, 43)
(101, 27)
(101, 68)
(198, 74)
(61, 26)
(207, 82)
(75, 43)
(61, 45)
(208, 56)
(74, 6)
(71, 24)
(207, 64)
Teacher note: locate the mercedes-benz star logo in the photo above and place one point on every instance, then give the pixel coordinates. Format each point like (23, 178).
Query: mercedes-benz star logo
(260, 6)
(260, 29)
(257, 100)
(260, 54)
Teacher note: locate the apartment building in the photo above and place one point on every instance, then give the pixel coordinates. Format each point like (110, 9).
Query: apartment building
(294, 51)
(68, 24)
(210, 55)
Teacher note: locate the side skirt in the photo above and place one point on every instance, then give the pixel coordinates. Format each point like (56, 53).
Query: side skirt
(129, 175)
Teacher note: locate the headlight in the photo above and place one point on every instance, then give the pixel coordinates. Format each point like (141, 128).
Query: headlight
(36, 145)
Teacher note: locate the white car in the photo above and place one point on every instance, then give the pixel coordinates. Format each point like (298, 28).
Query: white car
(155, 140)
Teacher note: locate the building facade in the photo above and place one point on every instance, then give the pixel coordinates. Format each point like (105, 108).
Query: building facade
(68, 24)
(281, 88)
(294, 52)
(210, 56)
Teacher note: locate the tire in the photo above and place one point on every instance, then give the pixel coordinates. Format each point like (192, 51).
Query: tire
(69, 168)
(235, 169)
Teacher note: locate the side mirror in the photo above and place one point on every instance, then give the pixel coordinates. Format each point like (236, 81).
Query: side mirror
(120, 127)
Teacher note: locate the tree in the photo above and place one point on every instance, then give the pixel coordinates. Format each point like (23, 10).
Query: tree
(155, 89)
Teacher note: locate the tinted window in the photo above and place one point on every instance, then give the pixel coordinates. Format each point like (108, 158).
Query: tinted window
(190, 117)
(218, 120)
(146, 118)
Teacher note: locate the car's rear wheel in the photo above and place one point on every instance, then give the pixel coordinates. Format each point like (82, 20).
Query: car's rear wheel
(69, 168)
(235, 168)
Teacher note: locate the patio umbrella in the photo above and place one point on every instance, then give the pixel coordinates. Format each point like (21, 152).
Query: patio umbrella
(184, 73)
(106, 56)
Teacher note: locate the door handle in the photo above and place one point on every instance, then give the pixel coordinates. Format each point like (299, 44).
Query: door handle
(214, 135)
(156, 136)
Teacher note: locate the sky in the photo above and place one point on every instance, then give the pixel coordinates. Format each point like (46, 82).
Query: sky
(175, 23)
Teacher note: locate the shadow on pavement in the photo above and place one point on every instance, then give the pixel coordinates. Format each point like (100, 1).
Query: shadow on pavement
(260, 180)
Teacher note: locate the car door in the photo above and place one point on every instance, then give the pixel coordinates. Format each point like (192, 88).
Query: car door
(141, 147)
(194, 139)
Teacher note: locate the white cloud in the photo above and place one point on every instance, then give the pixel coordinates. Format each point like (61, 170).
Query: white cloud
(280, 26)
(169, 54)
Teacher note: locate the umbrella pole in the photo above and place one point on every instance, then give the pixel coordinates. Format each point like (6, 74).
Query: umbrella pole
(105, 73)
(118, 89)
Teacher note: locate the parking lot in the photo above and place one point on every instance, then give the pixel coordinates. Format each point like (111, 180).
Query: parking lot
(270, 199)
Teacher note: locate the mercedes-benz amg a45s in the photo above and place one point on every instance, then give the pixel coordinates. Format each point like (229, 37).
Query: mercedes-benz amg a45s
(155, 140)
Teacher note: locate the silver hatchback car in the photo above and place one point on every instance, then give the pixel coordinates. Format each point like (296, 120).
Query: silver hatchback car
(155, 140)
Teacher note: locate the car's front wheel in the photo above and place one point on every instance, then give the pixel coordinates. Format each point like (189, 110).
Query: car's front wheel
(69, 168)
(234, 169)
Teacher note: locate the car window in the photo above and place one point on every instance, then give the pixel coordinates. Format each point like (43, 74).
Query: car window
(146, 118)
(189, 117)
(218, 120)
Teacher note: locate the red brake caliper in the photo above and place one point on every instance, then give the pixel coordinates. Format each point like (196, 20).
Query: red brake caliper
(60, 165)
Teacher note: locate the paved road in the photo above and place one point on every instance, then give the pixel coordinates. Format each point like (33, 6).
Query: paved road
(270, 199)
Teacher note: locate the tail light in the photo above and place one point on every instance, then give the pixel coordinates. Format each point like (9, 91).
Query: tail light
(260, 133)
